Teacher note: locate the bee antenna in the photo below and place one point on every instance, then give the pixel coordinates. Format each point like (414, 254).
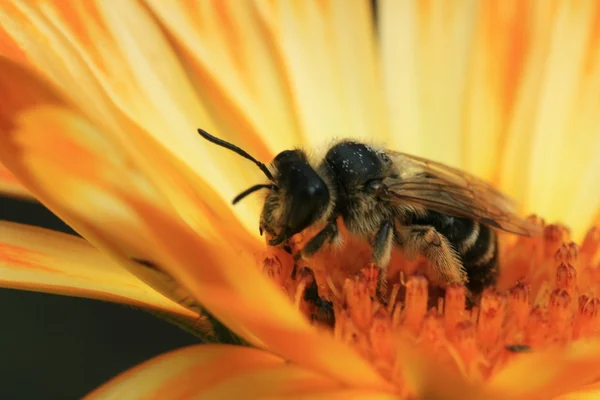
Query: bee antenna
(237, 150)
(250, 190)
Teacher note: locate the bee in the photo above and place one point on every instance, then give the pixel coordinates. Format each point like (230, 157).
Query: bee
(390, 199)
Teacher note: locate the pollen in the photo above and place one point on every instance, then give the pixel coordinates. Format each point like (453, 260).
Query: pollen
(547, 295)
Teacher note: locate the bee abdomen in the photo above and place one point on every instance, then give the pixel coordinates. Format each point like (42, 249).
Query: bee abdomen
(481, 259)
(475, 244)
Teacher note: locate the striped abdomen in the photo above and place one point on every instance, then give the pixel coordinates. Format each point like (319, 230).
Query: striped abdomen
(476, 244)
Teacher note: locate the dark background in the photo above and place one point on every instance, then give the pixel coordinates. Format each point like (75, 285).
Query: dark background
(57, 347)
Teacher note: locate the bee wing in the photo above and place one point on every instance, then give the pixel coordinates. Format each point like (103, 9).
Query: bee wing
(453, 192)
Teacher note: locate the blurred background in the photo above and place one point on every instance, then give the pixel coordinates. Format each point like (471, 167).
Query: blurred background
(57, 347)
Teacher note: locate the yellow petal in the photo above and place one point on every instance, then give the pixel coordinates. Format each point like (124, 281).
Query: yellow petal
(224, 372)
(10, 186)
(425, 48)
(227, 282)
(10, 48)
(34, 34)
(71, 168)
(332, 70)
(501, 39)
(55, 153)
(109, 56)
(236, 70)
(274, 382)
(564, 166)
(184, 373)
(78, 66)
(47, 261)
(589, 392)
(345, 394)
(429, 379)
(556, 372)
(501, 91)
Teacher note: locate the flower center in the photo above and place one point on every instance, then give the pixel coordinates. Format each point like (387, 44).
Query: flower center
(547, 294)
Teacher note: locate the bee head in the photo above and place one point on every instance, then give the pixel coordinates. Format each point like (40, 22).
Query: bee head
(300, 198)
(297, 196)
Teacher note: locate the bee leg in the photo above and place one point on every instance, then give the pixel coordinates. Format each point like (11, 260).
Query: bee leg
(382, 252)
(444, 263)
(327, 234)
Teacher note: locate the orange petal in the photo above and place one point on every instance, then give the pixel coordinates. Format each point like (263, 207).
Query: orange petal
(429, 379)
(24, 23)
(553, 133)
(227, 282)
(293, 69)
(10, 48)
(556, 372)
(590, 392)
(501, 40)
(55, 153)
(213, 372)
(46, 261)
(345, 394)
(10, 186)
(108, 56)
(425, 59)
(235, 70)
(69, 166)
(332, 69)
(518, 107)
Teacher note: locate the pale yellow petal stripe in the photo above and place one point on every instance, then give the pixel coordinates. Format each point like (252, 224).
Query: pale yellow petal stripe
(426, 48)
(566, 133)
(10, 186)
(332, 69)
(501, 39)
(163, 102)
(503, 91)
(187, 187)
(236, 68)
(46, 261)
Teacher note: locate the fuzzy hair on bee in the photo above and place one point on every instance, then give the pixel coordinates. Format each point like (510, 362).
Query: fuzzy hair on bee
(390, 199)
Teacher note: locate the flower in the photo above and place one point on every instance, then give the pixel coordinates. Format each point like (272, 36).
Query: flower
(101, 102)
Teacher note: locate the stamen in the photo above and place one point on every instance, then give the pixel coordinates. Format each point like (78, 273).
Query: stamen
(393, 296)
(517, 314)
(560, 315)
(381, 338)
(371, 278)
(537, 333)
(433, 331)
(455, 307)
(415, 303)
(566, 277)
(547, 295)
(334, 291)
(357, 294)
(491, 316)
(587, 321)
